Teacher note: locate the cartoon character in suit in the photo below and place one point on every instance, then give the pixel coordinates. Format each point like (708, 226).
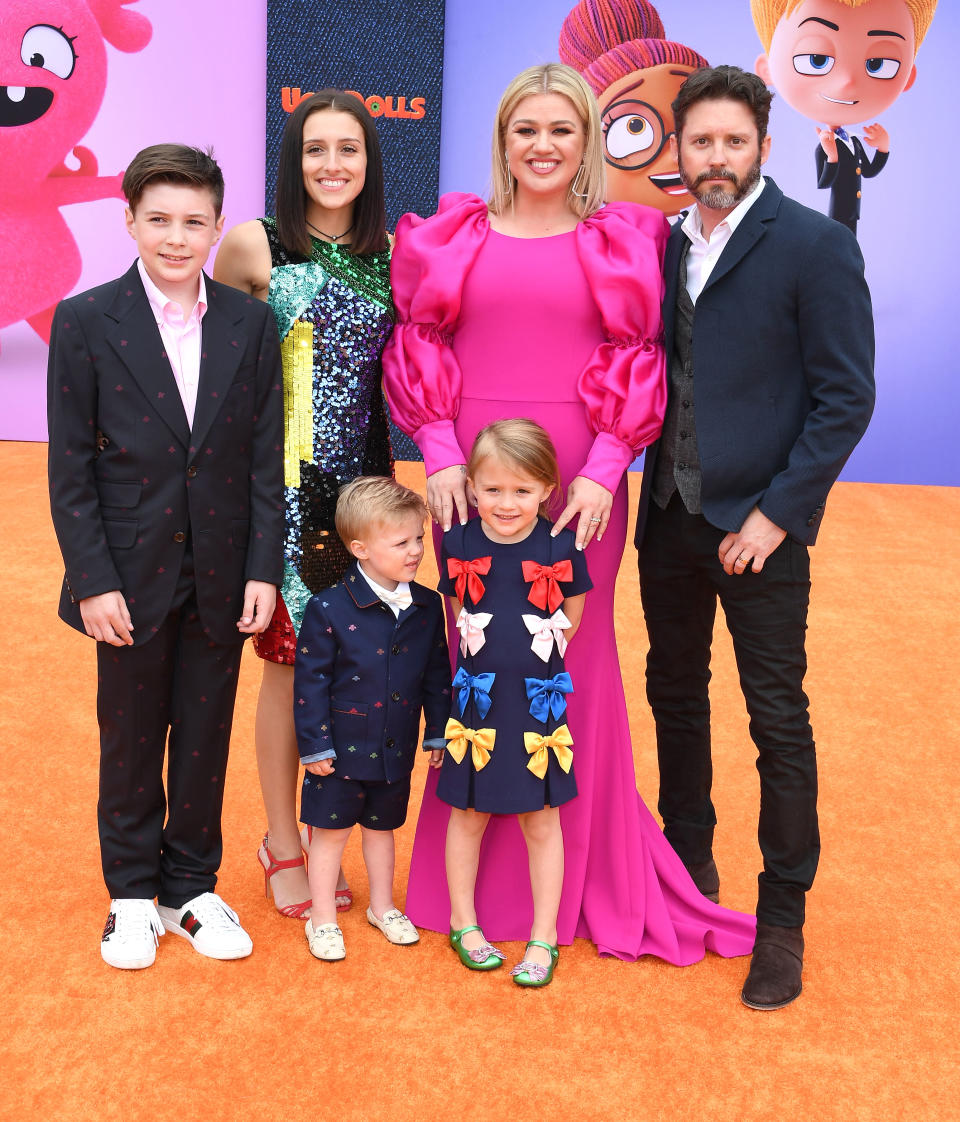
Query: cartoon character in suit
(165, 409)
(840, 62)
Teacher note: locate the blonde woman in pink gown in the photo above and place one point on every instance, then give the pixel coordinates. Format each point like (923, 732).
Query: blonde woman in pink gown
(545, 304)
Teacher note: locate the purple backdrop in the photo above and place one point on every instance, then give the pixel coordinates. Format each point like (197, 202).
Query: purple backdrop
(904, 239)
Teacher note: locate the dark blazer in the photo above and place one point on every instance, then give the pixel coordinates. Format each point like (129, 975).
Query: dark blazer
(128, 478)
(845, 176)
(783, 366)
(362, 677)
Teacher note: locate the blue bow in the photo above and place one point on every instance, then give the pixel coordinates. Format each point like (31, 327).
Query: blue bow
(480, 686)
(546, 695)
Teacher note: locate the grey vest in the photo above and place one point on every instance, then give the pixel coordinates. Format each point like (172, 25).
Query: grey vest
(678, 461)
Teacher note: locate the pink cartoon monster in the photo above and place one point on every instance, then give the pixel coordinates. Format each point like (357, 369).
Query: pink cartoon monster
(53, 73)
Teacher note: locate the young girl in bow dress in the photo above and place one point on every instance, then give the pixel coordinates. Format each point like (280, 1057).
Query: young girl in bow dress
(518, 594)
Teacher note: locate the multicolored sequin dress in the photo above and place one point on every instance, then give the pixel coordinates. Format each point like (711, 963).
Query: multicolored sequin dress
(334, 315)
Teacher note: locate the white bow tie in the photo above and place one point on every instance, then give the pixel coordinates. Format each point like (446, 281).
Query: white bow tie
(400, 598)
(545, 631)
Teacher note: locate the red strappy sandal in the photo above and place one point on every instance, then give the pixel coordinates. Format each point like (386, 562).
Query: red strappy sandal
(271, 865)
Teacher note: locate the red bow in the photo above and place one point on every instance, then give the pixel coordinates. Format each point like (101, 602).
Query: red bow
(545, 593)
(467, 579)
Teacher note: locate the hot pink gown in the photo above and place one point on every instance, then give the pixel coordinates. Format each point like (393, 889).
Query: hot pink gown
(562, 330)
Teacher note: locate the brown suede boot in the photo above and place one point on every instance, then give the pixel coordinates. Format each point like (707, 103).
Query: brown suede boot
(775, 968)
(706, 879)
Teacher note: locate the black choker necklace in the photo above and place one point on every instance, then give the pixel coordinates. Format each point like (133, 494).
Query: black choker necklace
(333, 237)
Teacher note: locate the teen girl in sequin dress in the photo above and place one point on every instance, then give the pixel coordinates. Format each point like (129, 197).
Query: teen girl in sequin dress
(323, 266)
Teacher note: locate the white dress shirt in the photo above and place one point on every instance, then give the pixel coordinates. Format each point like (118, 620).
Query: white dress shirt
(703, 254)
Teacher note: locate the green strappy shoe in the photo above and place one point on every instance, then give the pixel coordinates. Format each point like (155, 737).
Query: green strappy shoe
(532, 974)
(483, 957)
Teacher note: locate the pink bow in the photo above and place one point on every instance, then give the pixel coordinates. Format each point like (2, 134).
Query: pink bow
(471, 628)
(545, 631)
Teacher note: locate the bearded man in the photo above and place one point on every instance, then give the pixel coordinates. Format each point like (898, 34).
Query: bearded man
(769, 337)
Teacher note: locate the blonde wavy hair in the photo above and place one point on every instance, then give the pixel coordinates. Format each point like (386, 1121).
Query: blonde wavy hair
(552, 78)
(768, 13)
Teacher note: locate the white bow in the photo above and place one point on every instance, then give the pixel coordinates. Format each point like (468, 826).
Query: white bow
(400, 598)
(544, 631)
(471, 628)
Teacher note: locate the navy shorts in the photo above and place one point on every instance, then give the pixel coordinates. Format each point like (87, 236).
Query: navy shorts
(328, 802)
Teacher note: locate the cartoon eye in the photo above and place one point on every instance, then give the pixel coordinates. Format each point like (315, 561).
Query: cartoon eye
(628, 135)
(633, 134)
(813, 64)
(48, 48)
(882, 67)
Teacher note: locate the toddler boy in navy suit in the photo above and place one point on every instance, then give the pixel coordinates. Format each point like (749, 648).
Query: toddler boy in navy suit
(166, 488)
(371, 656)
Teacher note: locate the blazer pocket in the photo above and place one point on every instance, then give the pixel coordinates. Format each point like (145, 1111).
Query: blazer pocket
(246, 373)
(120, 535)
(125, 495)
(239, 533)
(349, 719)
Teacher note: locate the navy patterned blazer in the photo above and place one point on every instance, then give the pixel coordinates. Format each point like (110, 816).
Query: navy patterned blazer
(129, 479)
(363, 676)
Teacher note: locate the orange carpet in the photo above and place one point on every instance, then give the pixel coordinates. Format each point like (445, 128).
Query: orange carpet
(404, 1033)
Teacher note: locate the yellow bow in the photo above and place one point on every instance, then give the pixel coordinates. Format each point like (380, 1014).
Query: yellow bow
(481, 740)
(538, 747)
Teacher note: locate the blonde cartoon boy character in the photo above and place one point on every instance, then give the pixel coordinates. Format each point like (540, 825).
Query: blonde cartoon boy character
(839, 63)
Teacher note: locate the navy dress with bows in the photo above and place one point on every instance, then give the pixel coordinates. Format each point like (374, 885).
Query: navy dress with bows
(510, 749)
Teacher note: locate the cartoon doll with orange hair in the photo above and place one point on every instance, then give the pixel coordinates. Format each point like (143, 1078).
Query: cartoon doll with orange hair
(53, 73)
(839, 63)
(620, 48)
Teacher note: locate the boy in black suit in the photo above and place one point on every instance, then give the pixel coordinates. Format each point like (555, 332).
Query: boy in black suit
(165, 415)
(371, 655)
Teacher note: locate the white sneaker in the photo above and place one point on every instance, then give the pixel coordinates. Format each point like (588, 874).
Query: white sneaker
(395, 925)
(325, 942)
(131, 934)
(210, 925)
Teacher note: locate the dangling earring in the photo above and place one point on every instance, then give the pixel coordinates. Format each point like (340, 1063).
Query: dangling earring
(581, 170)
(506, 164)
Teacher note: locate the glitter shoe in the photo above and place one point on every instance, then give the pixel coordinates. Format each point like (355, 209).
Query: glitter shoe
(533, 974)
(483, 957)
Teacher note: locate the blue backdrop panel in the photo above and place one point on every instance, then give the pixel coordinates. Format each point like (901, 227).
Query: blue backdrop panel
(389, 53)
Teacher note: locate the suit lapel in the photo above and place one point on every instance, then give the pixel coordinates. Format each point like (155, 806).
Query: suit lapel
(671, 270)
(134, 336)
(748, 233)
(223, 344)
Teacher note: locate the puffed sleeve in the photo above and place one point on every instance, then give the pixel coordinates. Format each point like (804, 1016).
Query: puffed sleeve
(623, 385)
(421, 376)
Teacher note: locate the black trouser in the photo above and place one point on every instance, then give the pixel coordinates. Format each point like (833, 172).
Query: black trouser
(680, 580)
(182, 682)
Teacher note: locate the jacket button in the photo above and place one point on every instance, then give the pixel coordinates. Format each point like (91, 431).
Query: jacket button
(811, 521)
(389, 742)
(859, 194)
(394, 649)
(859, 172)
(179, 536)
(395, 696)
(191, 471)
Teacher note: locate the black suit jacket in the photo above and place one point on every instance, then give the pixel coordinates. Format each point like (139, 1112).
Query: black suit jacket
(783, 366)
(129, 480)
(845, 176)
(363, 676)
